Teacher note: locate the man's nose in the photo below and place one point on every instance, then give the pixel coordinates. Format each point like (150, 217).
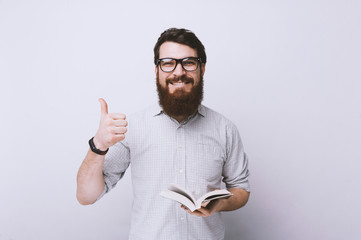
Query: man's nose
(178, 71)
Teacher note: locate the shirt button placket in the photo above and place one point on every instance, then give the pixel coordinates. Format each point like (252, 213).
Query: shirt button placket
(181, 155)
(181, 177)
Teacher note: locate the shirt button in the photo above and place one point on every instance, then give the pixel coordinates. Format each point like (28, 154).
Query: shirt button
(180, 170)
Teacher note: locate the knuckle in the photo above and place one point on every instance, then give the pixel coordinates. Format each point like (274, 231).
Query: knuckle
(121, 137)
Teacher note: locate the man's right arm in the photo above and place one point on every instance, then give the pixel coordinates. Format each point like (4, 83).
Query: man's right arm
(90, 179)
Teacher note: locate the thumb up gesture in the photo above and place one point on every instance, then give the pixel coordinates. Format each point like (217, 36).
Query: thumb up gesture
(112, 128)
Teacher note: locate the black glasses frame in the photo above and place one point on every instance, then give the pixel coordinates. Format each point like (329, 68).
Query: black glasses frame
(179, 60)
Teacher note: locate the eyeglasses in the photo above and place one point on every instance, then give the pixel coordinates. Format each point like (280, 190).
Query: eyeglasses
(189, 64)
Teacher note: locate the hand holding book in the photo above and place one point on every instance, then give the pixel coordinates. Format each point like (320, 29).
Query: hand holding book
(182, 196)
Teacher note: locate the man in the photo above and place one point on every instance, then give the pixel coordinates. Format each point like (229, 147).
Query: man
(178, 141)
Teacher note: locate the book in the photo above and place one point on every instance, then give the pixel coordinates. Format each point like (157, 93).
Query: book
(182, 196)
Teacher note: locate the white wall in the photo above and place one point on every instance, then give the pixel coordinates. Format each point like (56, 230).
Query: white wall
(286, 72)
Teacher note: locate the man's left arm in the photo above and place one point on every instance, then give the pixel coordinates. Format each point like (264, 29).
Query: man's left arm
(235, 176)
(236, 201)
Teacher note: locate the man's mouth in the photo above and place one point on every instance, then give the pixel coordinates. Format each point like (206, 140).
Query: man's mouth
(179, 83)
(182, 83)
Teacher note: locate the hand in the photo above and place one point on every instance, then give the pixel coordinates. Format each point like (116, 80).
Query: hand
(112, 128)
(207, 208)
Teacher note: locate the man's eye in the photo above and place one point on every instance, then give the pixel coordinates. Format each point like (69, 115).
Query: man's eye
(167, 63)
(189, 63)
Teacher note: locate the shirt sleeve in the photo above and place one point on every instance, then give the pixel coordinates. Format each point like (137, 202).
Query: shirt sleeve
(235, 170)
(116, 163)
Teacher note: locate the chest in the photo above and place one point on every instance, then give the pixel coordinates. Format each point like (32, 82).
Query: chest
(186, 155)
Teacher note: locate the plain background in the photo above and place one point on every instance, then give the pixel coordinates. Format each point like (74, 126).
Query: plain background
(287, 73)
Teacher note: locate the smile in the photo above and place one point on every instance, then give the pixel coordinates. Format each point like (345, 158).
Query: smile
(179, 83)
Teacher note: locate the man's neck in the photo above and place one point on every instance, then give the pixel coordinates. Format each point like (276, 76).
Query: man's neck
(179, 118)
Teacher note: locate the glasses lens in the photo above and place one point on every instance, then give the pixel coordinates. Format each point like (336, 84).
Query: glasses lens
(190, 64)
(168, 64)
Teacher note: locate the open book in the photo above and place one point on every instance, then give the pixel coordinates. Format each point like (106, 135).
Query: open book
(181, 195)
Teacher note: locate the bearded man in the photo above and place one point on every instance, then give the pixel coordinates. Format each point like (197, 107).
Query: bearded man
(177, 141)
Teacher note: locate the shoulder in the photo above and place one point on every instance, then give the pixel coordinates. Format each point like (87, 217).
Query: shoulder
(216, 117)
(222, 127)
(145, 113)
(139, 124)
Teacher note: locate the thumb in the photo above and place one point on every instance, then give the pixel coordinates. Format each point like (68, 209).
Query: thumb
(205, 204)
(103, 106)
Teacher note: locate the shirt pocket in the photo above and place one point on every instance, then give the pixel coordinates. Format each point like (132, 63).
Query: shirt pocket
(210, 160)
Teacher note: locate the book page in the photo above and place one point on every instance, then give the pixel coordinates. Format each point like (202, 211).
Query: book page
(216, 194)
(176, 188)
(179, 198)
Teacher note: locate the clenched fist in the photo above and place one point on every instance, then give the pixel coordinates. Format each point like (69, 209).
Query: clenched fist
(112, 128)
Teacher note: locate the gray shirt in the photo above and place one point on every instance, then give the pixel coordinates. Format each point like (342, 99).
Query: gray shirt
(196, 154)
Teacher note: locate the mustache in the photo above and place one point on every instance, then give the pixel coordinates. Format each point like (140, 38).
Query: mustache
(183, 78)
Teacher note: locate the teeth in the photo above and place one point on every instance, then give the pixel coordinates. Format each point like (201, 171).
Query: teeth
(178, 83)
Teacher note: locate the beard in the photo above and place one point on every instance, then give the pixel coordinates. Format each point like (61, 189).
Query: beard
(180, 102)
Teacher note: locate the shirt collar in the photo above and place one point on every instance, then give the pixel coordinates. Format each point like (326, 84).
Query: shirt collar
(202, 110)
(157, 110)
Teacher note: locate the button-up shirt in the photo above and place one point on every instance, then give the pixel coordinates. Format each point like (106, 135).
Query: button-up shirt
(196, 154)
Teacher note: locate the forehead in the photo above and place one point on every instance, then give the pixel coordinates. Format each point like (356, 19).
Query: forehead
(176, 50)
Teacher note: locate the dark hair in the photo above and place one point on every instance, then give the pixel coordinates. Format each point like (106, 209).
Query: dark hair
(181, 36)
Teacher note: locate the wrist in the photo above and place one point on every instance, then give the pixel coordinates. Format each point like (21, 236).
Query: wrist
(221, 205)
(94, 148)
(99, 145)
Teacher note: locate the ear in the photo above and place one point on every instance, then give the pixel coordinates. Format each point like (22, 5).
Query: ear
(203, 67)
(156, 70)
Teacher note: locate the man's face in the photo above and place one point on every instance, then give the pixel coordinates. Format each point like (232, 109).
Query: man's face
(180, 92)
(172, 81)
